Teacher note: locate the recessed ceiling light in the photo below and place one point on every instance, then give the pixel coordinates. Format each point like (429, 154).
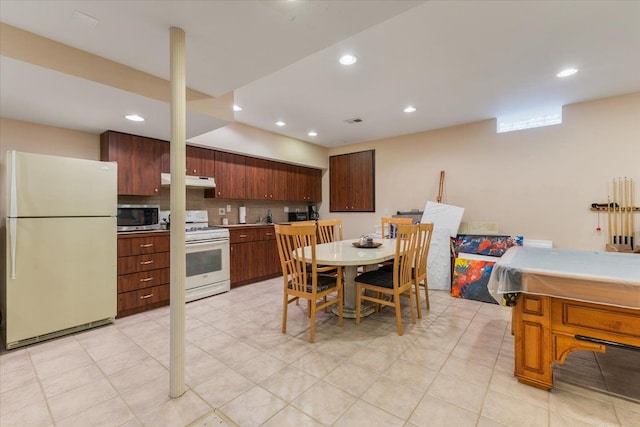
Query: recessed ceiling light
(567, 72)
(237, 107)
(280, 123)
(313, 133)
(348, 59)
(134, 118)
(410, 109)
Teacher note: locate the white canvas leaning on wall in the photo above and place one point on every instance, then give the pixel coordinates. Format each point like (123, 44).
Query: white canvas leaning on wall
(446, 221)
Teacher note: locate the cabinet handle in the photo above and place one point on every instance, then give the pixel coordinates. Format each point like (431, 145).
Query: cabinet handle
(146, 296)
(147, 245)
(146, 279)
(242, 236)
(269, 234)
(194, 172)
(156, 190)
(146, 262)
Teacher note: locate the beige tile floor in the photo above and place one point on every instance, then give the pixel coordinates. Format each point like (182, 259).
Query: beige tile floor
(453, 368)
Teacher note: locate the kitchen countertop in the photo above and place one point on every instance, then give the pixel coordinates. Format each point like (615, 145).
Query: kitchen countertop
(126, 233)
(257, 224)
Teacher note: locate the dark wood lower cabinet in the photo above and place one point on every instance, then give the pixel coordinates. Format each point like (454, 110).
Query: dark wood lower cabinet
(254, 254)
(143, 272)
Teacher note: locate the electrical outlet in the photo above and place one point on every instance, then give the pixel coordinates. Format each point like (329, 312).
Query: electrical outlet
(228, 208)
(221, 211)
(286, 209)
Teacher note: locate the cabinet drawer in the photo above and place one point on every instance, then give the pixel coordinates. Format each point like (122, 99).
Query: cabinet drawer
(143, 297)
(243, 234)
(142, 245)
(135, 264)
(145, 279)
(266, 233)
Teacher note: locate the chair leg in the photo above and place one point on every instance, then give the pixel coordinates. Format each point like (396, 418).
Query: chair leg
(312, 333)
(309, 308)
(284, 313)
(413, 313)
(398, 315)
(326, 309)
(426, 293)
(340, 307)
(417, 292)
(358, 301)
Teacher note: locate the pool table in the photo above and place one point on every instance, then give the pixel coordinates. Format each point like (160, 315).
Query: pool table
(565, 301)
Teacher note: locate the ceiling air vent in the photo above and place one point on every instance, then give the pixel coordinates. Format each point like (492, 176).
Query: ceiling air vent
(352, 121)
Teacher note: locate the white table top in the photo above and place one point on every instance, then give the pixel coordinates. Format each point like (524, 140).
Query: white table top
(344, 253)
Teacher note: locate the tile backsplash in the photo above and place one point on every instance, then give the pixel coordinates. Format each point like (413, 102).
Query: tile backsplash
(256, 209)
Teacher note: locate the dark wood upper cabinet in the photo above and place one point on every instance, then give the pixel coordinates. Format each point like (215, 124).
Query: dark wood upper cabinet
(266, 180)
(199, 161)
(230, 176)
(352, 182)
(139, 162)
(304, 184)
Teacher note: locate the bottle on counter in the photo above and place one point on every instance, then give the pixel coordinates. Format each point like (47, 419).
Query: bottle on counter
(269, 217)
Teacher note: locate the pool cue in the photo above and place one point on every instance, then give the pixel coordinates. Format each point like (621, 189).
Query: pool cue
(631, 213)
(615, 213)
(625, 229)
(609, 217)
(621, 195)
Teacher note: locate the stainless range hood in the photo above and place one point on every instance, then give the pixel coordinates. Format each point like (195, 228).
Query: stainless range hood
(190, 181)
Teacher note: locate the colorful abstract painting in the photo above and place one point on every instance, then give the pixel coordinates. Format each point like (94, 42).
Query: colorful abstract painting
(485, 245)
(470, 279)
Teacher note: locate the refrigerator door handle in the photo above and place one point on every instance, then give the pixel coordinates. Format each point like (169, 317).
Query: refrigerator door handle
(12, 238)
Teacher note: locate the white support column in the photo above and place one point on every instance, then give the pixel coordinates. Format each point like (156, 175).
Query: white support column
(178, 202)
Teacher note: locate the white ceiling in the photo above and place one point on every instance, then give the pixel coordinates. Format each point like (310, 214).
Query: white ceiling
(457, 62)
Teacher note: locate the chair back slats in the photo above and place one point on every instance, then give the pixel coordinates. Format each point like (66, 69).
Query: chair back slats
(424, 240)
(406, 243)
(329, 230)
(292, 240)
(389, 225)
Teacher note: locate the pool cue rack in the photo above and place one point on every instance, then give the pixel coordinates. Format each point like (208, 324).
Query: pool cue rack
(620, 211)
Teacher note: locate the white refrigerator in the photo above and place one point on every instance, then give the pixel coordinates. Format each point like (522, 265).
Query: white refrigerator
(61, 246)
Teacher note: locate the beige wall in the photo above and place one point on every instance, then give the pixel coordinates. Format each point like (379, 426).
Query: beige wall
(539, 182)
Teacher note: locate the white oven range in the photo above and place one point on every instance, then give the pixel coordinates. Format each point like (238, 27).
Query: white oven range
(207, 256)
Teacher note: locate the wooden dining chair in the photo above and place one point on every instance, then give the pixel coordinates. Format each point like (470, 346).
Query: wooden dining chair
(330, 230)
(301, 282)
(394, 283)
(389, 224)
(425, 232)
(388, 231)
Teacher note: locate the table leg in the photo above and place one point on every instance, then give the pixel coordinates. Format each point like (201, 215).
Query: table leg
(350, 272)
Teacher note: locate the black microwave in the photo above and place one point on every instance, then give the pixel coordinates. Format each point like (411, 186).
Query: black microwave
(138, 217)
(297, 216)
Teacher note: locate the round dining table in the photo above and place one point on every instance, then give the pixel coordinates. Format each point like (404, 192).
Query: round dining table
(344, 253)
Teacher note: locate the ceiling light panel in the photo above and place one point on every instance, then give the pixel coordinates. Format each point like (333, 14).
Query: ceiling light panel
(348, 59)
(567, 72)
(134, 118)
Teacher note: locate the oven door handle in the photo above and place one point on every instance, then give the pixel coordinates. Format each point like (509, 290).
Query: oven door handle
(205, 243)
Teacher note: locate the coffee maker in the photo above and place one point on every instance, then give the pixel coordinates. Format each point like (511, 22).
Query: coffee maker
(313, 212)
